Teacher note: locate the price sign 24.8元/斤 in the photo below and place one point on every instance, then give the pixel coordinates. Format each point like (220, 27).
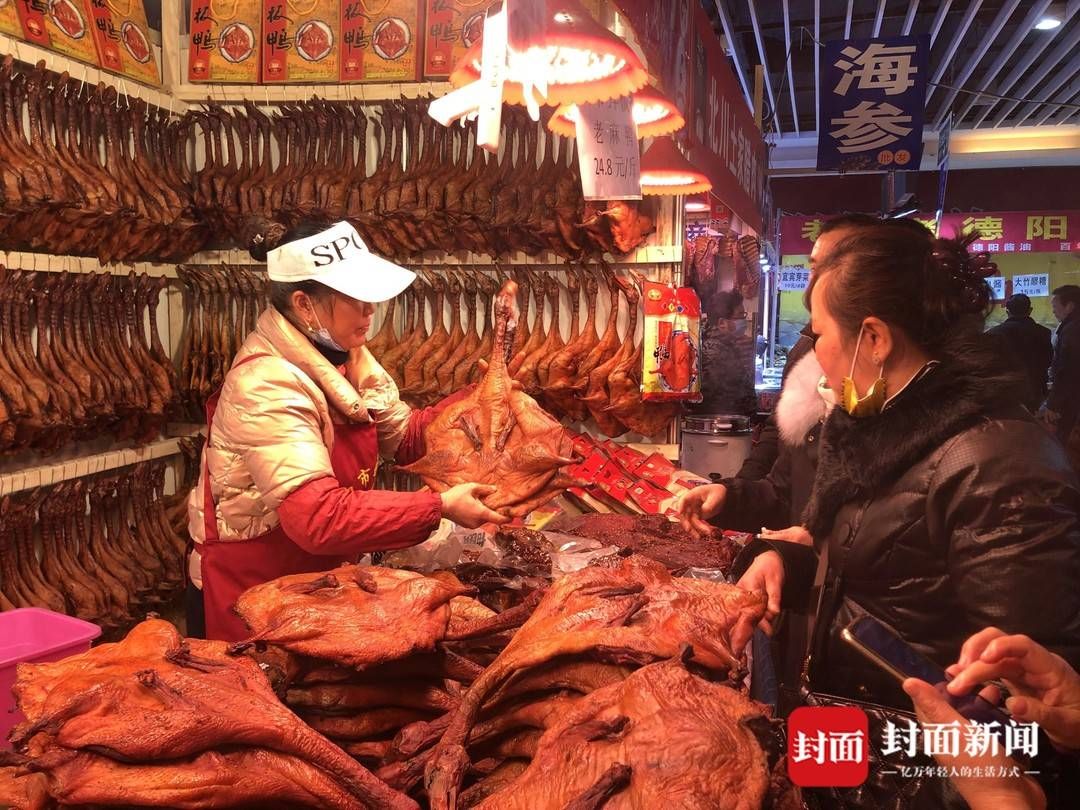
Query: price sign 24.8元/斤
(609, 156)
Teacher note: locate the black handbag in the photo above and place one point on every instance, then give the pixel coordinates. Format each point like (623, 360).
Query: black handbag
(886, 787)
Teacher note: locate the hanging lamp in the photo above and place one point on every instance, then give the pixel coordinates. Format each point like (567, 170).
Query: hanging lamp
(654, 113)
(577, 59)
(664, 170)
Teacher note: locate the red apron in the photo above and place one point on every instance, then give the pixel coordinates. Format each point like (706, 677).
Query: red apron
(231, 567)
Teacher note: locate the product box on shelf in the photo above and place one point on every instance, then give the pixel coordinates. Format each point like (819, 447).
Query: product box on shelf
(380, 40)
(450, 29)
(123, 40)
(64, 26)
(301, 41)
(225, 41)
(9, 19)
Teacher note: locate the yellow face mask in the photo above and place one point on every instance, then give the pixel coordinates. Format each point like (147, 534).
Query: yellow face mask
(872, 403)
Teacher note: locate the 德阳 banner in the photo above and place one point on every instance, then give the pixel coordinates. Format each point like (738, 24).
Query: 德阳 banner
(873, 95)
(995, 231)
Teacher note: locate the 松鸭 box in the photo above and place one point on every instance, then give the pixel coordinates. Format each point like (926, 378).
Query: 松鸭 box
(9, 19)
(123, 39)
(224, 45)
(301, 41)
(64, 26)
(380, 41)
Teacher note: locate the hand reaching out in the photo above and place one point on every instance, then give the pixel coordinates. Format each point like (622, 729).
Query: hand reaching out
(697, 505)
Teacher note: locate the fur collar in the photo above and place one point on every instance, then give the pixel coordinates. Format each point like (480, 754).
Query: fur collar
(800, 406)
(861, 457)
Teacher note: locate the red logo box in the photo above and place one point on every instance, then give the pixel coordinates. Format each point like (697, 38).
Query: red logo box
(828, 746)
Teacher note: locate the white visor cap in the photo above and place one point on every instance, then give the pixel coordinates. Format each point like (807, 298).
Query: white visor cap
(338, 258)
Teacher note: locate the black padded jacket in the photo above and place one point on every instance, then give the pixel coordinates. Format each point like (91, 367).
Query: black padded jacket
(949, 512)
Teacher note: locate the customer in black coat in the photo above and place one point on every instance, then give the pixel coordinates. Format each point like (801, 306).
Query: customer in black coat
(1028, 347)
(1063, 402)
(940, 506)
(777, 500)
(766, 447)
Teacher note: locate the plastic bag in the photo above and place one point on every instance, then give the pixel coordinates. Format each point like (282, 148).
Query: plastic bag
(574, 556)
(441, 550)
(710, 574)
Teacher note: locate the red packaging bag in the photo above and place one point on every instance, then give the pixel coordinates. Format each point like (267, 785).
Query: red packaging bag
(671, 359)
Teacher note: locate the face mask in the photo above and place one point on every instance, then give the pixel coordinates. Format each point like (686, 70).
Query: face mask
(321, 336)
(872, 403)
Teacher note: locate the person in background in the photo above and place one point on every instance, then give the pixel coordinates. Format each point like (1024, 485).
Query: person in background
(1043, 689)
(1063, 402)
(766, 447)
(1028, 345)
(297, 431)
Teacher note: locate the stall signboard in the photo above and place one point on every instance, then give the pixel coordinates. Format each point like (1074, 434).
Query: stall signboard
(873, 99)
(9, 19)
(381, 44)
(1018, 231)
(792, 279)
(123, 39)
(997, 287)
(609, 155)
(450, 29)
(998, 232)
(720, 135)
(64, 26)
(225, 41)
(301, 41)
(1034, 285)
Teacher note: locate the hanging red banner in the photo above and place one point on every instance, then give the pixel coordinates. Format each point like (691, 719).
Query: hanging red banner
(720, 133)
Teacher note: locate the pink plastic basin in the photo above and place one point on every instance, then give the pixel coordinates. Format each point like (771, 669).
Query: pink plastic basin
(33, 635)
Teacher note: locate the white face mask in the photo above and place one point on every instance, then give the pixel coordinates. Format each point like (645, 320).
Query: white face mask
(322, 336)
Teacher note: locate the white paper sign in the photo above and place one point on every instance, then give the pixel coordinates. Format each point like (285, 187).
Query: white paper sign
(609, 155)
(793, 279)
(492, 76)
(1037, 284)
(997, 287)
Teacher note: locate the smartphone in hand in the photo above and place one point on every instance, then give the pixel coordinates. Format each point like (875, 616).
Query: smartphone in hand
(883, 647)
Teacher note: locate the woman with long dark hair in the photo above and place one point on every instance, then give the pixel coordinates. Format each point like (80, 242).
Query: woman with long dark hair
(939, 506)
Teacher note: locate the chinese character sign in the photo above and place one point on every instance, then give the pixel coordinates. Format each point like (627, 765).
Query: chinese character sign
(1034, 285)
(873, 94)
(828, 747)
(996, 232)
(793, 279)
(610, 163)
(722, 140)
(831, 747)
(997, 287)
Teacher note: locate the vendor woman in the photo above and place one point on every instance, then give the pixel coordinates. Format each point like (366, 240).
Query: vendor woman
(297, 431)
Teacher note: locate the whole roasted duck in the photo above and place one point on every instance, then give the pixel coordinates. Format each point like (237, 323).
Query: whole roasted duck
(498, 434)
